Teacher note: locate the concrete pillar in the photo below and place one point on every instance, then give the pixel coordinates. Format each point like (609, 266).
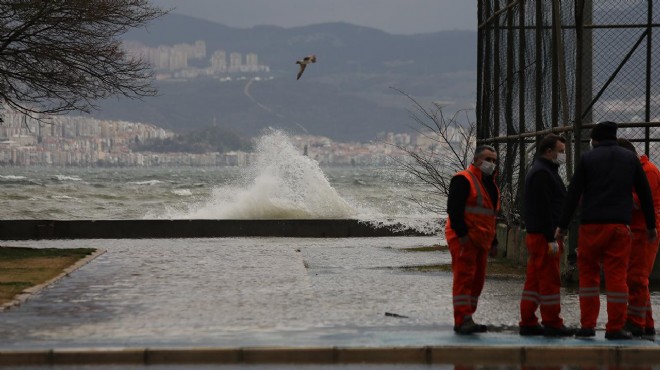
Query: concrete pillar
(502, 231)
(512, 250)
(522, 247)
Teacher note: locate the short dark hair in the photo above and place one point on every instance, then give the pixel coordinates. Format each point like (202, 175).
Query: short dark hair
(548, 142)
(626, 144)
(483, 147)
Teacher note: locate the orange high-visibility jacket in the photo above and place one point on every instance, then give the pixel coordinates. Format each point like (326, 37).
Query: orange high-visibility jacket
(479, 211)
(653, 176)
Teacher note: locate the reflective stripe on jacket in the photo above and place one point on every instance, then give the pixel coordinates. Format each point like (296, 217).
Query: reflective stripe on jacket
(479, 211)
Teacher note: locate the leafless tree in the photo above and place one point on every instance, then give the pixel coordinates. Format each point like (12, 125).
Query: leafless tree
(432, 166)
(58, 56)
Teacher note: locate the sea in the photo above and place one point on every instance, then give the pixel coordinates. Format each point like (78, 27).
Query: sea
(281, 183)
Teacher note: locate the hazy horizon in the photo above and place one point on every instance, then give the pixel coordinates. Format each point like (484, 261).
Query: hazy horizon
(392, 16)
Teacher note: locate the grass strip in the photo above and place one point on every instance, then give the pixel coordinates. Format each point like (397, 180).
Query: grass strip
(496, 268)
(22, 268)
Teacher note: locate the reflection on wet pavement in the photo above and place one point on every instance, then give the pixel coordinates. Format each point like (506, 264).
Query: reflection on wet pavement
(258, 292)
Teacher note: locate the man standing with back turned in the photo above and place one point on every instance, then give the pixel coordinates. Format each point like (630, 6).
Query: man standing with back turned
(604, 179)
(544, 195)
(472, 205)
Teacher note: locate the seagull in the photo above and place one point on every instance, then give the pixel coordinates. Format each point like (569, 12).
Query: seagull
(304, 62)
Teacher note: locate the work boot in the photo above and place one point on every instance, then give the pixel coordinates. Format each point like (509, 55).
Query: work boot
(649, 331)
(635, 330)
(585, 333)
(469, 327)
(528, 331)
(618, 335)
(561, 331)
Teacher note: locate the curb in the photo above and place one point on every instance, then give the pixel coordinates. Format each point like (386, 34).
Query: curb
(504, 355)
(27, 293)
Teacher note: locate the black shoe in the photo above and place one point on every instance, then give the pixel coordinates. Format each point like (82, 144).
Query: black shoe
(618, 335)
(469, 327)
(528, 331)
(561, 331)
(635, 330)
(649, 331)
(585, 333)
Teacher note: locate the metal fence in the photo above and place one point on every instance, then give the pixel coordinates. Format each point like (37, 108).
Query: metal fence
(561, 66)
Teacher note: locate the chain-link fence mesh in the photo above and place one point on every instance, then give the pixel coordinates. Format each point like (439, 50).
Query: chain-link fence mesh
(561, 66)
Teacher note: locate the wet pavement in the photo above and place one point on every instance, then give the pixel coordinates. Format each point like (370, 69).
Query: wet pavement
(242, 292)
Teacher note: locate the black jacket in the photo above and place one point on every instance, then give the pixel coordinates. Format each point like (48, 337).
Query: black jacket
(545, 193)
(604, 181)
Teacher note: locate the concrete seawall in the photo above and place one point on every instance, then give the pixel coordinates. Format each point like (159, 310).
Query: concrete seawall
(139, 229)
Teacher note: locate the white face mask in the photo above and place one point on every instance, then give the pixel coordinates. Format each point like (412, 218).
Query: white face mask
(487, 168)
(561, 158)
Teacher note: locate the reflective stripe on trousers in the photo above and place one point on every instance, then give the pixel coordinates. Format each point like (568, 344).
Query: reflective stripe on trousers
(640, 266)
(542, 285)
(610, 245)
(468, 264)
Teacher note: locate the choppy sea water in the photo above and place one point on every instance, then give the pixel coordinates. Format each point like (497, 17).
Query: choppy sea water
(280, 184)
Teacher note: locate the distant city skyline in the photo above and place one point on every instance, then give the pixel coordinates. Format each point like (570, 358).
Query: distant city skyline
(392, 16)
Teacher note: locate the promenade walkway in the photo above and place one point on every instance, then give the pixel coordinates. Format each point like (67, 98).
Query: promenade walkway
(260, 300)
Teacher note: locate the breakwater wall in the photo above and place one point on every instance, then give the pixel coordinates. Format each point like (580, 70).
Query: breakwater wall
(147, 229)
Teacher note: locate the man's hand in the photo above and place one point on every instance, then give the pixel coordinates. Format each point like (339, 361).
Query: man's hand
(652, 234)
(553, 248)
(560, 234)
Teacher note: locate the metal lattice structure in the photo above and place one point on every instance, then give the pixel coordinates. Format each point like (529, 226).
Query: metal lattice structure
(560, 66)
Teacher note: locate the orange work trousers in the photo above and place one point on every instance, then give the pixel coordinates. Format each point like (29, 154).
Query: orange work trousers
(468, 263)
(640, 267)
(542, 285)
(610, 245)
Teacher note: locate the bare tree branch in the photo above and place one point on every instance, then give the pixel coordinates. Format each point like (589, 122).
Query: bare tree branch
(58, 56)
(432, 166)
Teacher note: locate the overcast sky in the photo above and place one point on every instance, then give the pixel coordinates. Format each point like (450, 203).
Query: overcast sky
(393, 16)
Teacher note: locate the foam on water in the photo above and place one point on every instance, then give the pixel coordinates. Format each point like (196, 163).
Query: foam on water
(66, 178)
(145, 182)
(182, 192)
(282, 183)
(12, 177)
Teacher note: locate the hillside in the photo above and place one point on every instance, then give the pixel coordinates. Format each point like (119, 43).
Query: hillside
(346, 95)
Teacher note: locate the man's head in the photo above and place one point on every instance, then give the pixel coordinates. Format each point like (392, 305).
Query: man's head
(604, 131)
(485, 158)
(553, 148)
(626, 144)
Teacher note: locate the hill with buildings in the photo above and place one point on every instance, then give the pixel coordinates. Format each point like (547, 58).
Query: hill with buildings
(244, 79)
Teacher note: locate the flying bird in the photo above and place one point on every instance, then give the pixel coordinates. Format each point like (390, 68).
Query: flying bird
(304, 62)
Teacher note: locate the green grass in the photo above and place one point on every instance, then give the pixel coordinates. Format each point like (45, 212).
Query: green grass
(22, 268)
(431, 248)
(496, 267)
(9, 253)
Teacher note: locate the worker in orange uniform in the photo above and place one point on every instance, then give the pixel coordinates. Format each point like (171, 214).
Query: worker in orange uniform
(603, 181)
(640, 315)
(544, 195)
(472, 206)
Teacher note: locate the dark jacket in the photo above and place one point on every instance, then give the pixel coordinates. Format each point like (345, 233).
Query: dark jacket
(603, 181)
(459, 190)
(545, 193)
